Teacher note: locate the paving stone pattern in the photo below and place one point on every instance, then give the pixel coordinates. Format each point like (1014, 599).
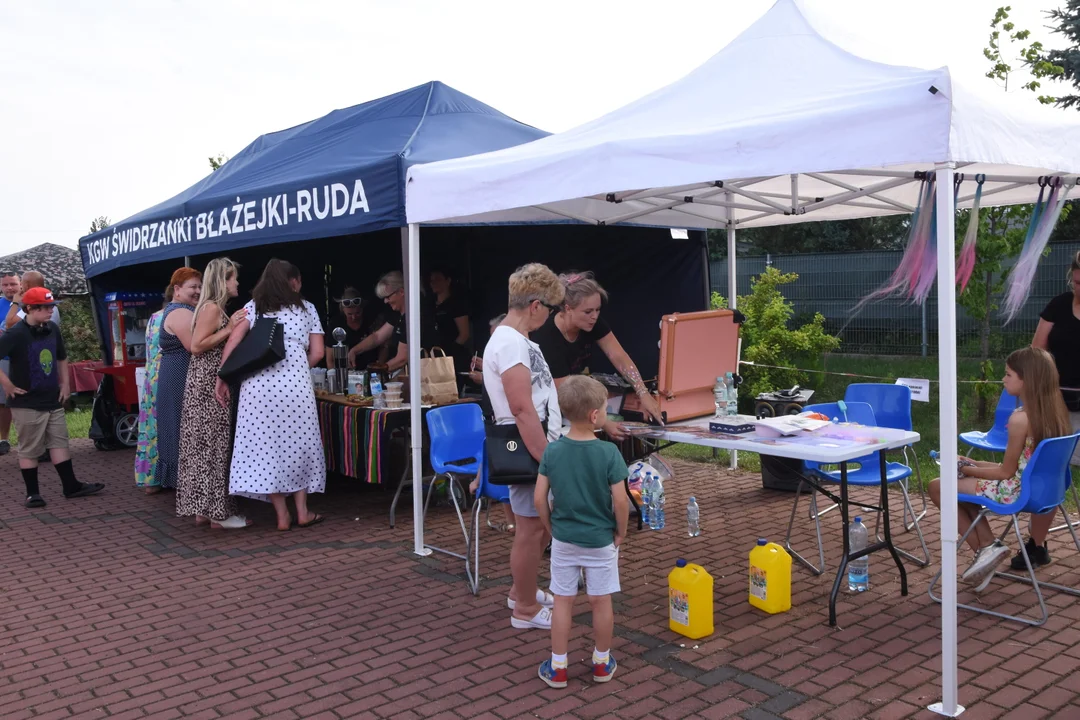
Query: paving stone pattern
(112, 607)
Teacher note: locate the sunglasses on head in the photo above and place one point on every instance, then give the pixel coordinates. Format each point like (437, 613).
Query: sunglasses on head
(552, 308)
(8, 273)
(351, 302)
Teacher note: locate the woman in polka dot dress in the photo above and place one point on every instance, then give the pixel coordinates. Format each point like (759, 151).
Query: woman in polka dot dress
(278, 448)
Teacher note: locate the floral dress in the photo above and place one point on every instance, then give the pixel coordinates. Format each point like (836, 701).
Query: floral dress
(1008, 490)
(146, 453)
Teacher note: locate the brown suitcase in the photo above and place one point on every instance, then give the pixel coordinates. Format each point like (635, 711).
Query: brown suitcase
(695, 349)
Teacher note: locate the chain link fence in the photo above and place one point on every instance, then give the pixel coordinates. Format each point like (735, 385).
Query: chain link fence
(832, 284)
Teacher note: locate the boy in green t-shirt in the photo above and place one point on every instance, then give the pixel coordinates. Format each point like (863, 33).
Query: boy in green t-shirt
(587, 520)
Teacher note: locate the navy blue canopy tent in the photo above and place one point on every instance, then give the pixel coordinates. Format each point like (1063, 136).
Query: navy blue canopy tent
(329, 195)
(341, 174)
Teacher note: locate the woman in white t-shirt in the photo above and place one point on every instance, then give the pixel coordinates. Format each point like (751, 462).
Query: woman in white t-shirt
(522, 392)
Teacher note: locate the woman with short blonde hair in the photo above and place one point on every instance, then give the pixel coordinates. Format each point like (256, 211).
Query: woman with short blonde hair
(522, 393)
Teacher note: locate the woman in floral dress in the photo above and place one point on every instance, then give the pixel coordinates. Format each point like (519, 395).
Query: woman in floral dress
(146, 452)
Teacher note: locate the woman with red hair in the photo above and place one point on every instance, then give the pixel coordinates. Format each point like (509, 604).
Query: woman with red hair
(174, 341)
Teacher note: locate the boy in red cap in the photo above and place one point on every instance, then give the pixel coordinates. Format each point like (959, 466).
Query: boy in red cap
(36, 391)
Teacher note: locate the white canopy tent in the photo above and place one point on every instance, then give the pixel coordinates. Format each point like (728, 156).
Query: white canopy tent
(780, 126)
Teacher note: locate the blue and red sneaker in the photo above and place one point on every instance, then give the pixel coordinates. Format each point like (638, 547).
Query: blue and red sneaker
(603, 673)
(554, 678)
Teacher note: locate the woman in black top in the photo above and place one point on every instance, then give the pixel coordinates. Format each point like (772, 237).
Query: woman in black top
(1059, 334)
(451, 319)
(568, 337)
(358, 322)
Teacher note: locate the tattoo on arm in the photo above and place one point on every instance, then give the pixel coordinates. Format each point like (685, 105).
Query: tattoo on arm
(630, 372)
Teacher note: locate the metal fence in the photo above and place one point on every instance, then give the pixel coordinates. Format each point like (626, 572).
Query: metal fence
(832, 284)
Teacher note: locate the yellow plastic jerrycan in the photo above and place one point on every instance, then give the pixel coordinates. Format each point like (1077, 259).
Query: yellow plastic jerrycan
(770, 577)
(690, 600)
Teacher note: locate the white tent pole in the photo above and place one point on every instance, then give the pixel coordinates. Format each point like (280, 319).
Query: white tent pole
(417, 433)
(733, 292)
(946, 286)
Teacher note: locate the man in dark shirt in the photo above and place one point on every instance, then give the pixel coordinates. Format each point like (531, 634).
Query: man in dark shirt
(359, 320)
(36, 390)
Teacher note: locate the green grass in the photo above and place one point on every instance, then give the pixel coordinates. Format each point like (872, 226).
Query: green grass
(925, 416)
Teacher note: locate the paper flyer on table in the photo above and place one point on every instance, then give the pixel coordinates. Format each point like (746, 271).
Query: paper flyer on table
(788, 425)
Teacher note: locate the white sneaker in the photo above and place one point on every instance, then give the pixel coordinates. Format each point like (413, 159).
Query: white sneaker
(543, 597)
(539, 621)
(235, 522)
(987, 562)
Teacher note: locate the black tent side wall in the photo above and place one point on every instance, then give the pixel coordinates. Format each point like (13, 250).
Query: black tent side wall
(647, 273)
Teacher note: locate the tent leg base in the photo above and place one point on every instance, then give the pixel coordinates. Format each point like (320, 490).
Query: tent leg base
(424, 552)
(939, 708)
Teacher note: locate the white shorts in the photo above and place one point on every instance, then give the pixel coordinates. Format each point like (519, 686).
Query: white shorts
(601, 566)
(521, 500)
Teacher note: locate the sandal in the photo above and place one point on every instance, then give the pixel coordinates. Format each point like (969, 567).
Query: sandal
(543, 597)
(539, 621)
(313, 521)
(85, 490)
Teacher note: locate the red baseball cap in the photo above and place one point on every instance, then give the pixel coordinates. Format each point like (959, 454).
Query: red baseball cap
(38, 296)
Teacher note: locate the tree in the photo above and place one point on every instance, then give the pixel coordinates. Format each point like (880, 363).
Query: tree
(99, 223)
(877, 233)
(1001, 229)
(1030, 55)
(1067, 22)
(218, 160)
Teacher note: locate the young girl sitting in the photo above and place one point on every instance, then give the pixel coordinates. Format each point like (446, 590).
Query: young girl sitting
(1030, 375)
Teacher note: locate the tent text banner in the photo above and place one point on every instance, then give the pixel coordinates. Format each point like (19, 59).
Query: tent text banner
(331, 201)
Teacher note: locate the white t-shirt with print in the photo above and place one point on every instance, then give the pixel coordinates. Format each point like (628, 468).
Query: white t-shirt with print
(506, 348)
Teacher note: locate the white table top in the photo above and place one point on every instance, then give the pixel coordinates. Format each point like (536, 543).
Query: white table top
(829, 445)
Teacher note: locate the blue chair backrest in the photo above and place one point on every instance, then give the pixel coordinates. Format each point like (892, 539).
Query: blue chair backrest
(891, 403)
(456, 432)
(1046, 477)
(857, 412)
(1005, 406)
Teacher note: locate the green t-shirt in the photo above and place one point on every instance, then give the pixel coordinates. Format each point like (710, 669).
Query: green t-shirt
(581, 473)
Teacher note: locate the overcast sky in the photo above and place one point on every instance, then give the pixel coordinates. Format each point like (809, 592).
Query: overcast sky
(112, 106)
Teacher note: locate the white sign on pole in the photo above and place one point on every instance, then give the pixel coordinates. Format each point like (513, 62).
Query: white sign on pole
(920, 389)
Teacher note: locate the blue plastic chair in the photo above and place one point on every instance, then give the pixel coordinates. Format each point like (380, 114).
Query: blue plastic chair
(892, 408)
(1042, 489)
(996, 438)
(456, 434)
(868, 474)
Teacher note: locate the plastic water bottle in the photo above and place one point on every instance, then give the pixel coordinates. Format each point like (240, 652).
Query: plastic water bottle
(858, 570)
(732, 395)
(693, 515)
(646, 497)
(720, 396)
(656, 512)
(378, 401)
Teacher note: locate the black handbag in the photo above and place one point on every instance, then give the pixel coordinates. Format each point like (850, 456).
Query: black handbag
(509, 462)
(263, 346)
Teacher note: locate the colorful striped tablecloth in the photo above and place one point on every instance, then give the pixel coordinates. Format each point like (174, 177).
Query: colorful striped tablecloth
(354, 439)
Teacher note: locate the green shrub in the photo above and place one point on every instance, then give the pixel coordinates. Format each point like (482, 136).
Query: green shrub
(77, 327)
(768, 339)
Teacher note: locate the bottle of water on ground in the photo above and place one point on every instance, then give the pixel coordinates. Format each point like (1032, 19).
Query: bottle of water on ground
(858, 570)
(646, 497)
(693, 517)
(656, 511)
(720, 395)
(732, 395)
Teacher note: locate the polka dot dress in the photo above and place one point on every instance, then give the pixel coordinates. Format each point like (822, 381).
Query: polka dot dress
(278, 447)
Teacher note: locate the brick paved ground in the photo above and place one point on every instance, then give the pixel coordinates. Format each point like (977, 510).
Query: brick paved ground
(111, 607)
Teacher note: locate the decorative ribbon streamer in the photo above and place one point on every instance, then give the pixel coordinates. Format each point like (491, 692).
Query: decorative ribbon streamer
(1042, 225)
(965, 264)
(914, 276)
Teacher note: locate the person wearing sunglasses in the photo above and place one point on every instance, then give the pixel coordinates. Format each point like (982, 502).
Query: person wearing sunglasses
(391, 290)
(9, 291)
(359, 320)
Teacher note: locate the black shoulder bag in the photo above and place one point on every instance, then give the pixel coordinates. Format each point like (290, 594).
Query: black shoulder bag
(263, 346)
(508, 460)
